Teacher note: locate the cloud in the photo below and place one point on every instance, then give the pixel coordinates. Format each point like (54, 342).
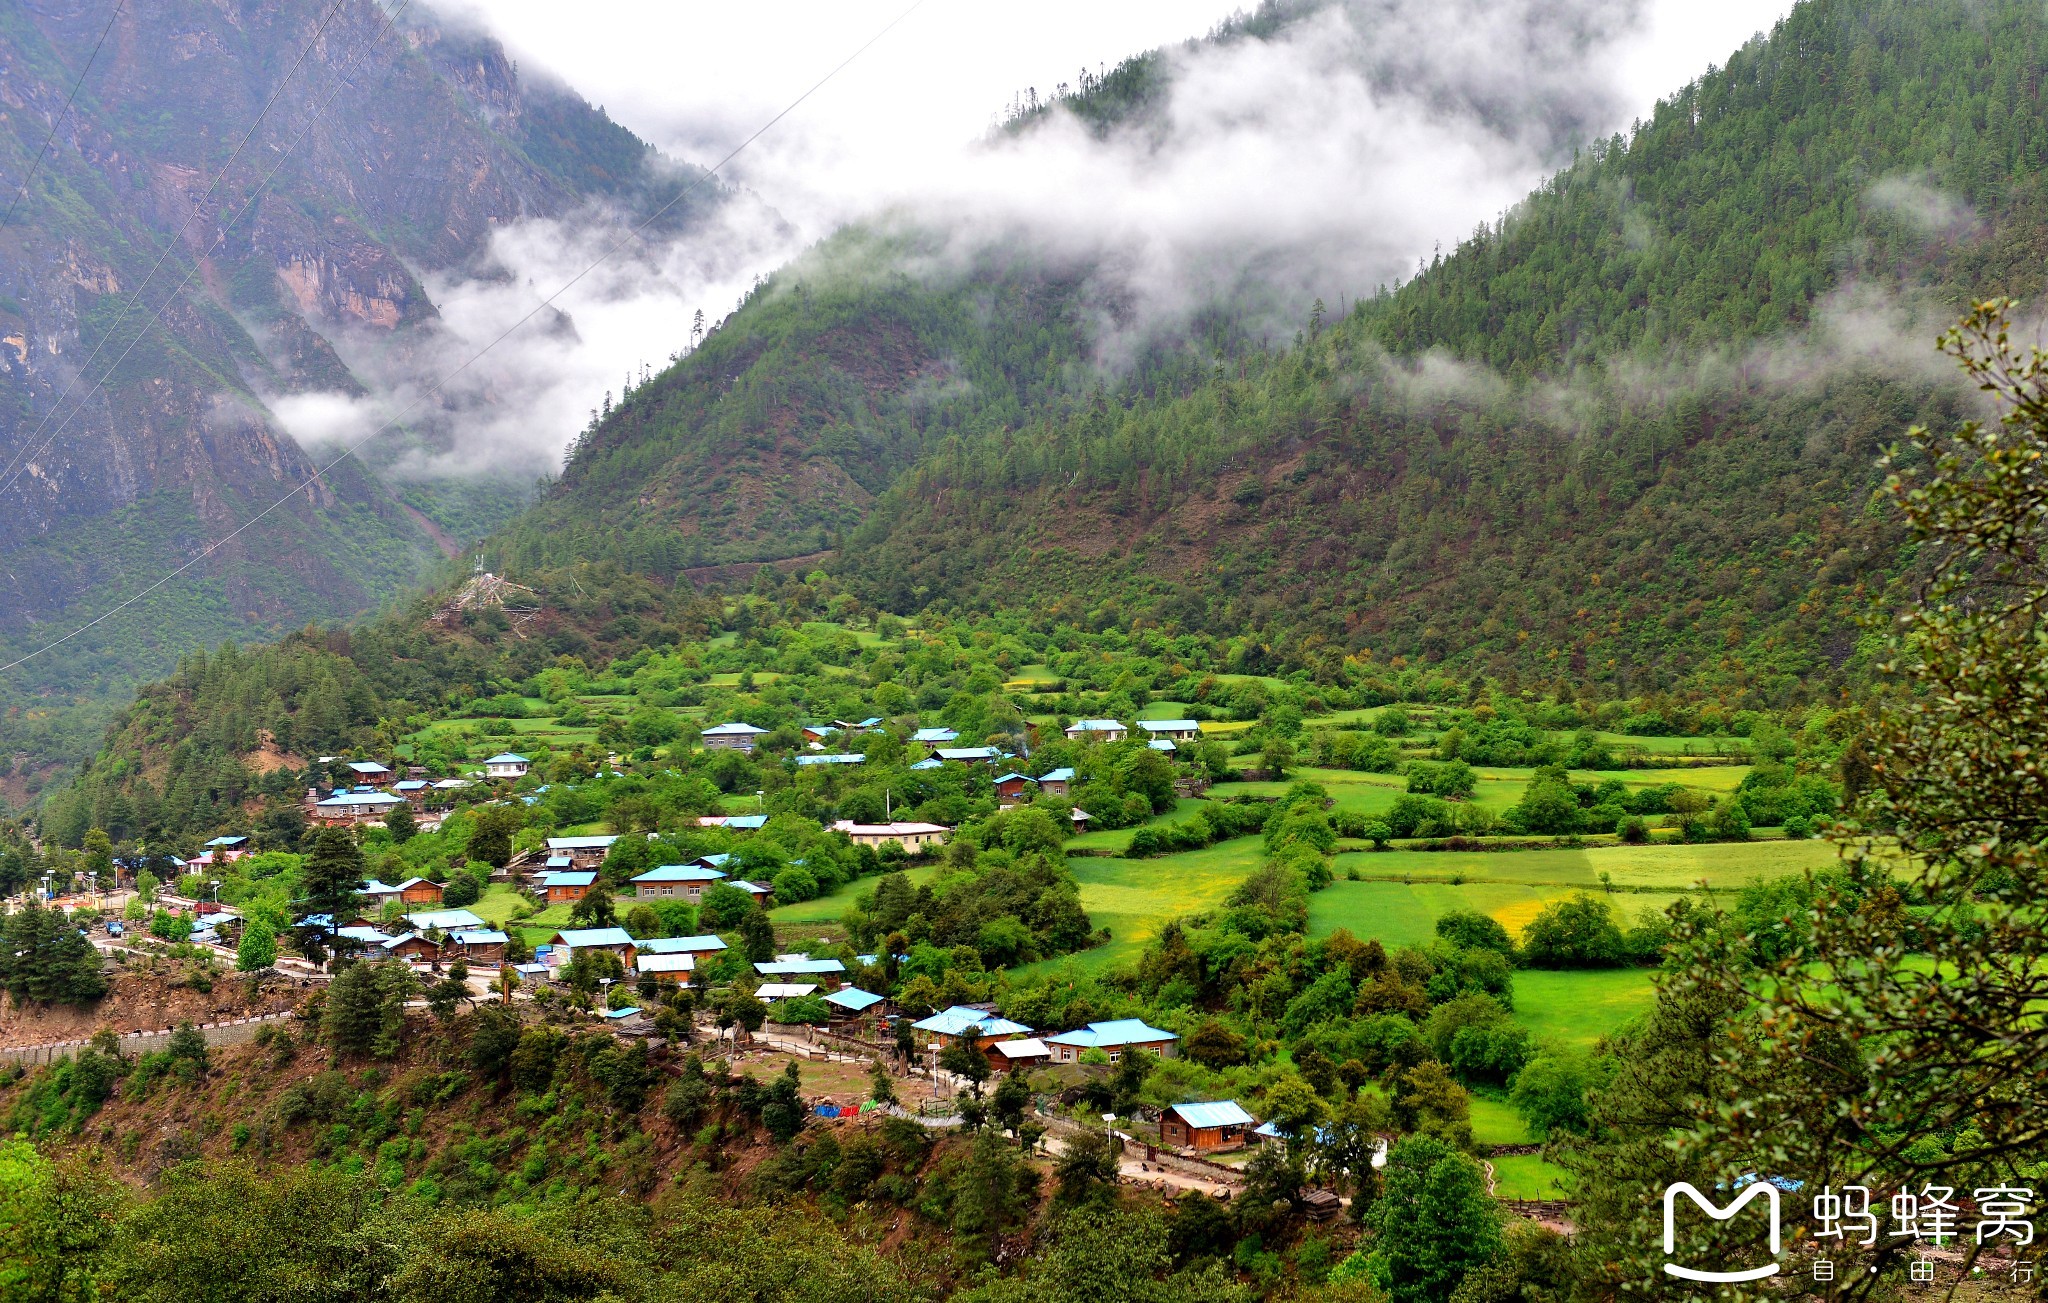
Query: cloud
(1924, 205)
(1322, 162)
(510, 413)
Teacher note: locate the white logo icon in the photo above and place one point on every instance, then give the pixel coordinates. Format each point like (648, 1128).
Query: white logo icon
(1765, 1189)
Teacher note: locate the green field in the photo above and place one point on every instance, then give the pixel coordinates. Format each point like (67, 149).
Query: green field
(827, 908)
(1135, 898)
(1118, 839)
(1719, 864)
(1494, 1122)
(1526, 1176)
(1405, 914)
(1497, 789)
(495, 906)
(1578, 1008)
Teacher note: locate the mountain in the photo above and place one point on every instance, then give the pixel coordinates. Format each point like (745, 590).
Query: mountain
(394, 148)
(1620, 443)
(1624, 434)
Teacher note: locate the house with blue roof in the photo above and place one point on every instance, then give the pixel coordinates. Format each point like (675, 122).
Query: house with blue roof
(1097, 730)
(674, 882)
(733, 822)
(1220, 1124)
(970, 755)
(447, 920)
(615, 939)
(935, 736)
(1113, 1038)
(733, 736)
(567, 885)
(832, 758)
(962, 1020)
(852, 1002)
(480, 945)
(1055, 782)
(1014, 786)
(929, 762)
(829, 971)
(506, 765)
(1172, 730)
(365, 806)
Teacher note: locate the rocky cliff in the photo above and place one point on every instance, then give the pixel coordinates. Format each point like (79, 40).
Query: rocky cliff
(151, 317)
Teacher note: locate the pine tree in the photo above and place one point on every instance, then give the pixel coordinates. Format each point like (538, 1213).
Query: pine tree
(328, 887)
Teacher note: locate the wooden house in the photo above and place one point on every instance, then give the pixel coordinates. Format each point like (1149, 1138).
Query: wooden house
(567, 887)
(1218, 1125)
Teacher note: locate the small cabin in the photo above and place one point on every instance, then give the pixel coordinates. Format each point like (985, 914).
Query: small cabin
(569, 886)
(1221, 1124)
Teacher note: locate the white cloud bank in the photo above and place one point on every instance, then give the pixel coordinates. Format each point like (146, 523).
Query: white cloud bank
(1324, 162)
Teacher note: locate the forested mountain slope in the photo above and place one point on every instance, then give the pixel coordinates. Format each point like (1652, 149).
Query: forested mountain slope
(396, 147)
(1627, 433)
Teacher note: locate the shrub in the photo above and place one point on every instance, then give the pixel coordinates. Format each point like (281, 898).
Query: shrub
(1575, 933)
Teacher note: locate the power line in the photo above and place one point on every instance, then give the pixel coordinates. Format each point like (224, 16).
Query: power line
(62, 113)
(438, 385)
(31, 448)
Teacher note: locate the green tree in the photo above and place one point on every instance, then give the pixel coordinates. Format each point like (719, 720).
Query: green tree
(490, 842)
(963, 1057)
(329, 887)
(365, 1010)
(258, 948)
(1576, 933)
(401, 824)
(1085, 1170)
(594, 908)
(1434, 1219)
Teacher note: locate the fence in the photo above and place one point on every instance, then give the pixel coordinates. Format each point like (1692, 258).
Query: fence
(232, 1032)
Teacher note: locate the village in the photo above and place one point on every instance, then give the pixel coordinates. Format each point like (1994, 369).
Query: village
(692, 990)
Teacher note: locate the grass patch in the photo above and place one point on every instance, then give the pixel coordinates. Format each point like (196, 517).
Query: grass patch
(1495, 1122)
(1527, 1176)
(1678, 867)
(827, 908)
(1135, 898)
(495, 906)
(1405, 914)
(1578, 1008)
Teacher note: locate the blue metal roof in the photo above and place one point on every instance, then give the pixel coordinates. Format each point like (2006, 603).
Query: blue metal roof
(853, 998)
(929, 762)
(448, 920)
(1220, 1113)
(793, 967)
(678, 873)
(833, 758)
(595, 936)
(956, 1020)
(1109, 1035)
(703, 944)
(582, 878)
(1064, 774)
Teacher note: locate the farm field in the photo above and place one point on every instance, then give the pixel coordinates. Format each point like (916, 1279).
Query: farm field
(1135, 898)
(1405, 914)
(1577, 1008)
(1676, 866)
(497, 903)
(827, 908)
